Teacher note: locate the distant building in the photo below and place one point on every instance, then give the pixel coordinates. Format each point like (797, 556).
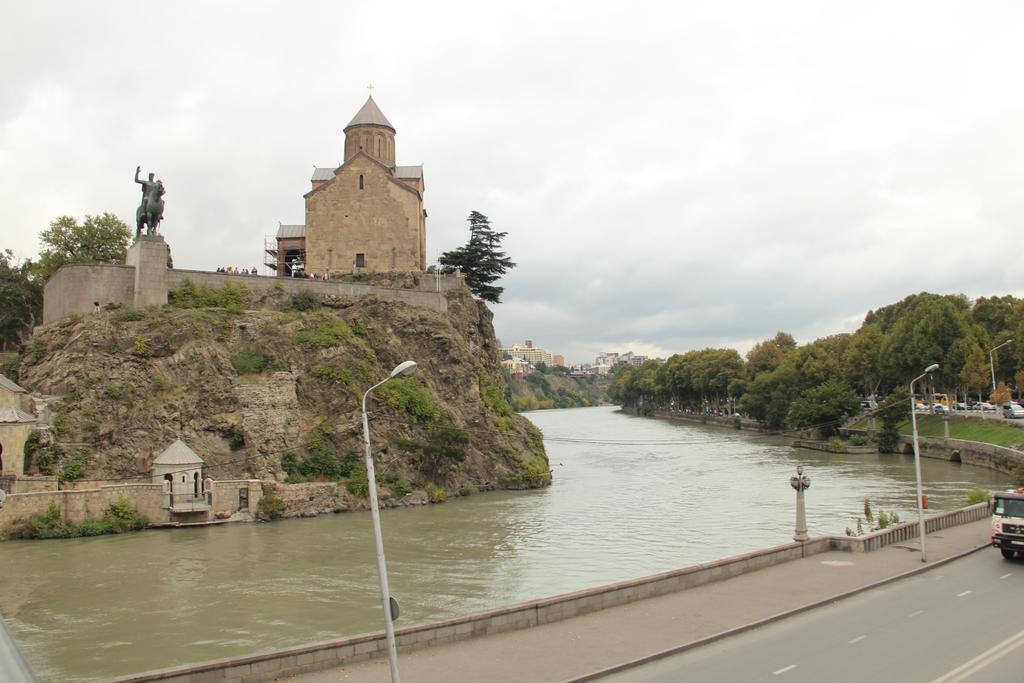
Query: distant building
(529, 353)
(516, 367)
(560, 361)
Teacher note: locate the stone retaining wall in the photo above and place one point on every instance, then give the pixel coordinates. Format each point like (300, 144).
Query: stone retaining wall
(318, 656)
(330, 654)
(79, 505)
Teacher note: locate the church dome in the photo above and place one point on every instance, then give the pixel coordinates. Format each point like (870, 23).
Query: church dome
(370, 132)
(370, 115)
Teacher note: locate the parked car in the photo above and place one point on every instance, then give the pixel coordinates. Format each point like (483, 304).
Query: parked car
(961, 406)
(1013, 411)
(920, 406)
(985, 405)
(940, 409)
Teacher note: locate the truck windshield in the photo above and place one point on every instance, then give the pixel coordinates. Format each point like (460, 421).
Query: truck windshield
(1009, 507)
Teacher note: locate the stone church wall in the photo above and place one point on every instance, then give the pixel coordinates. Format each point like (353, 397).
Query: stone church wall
(380, 220)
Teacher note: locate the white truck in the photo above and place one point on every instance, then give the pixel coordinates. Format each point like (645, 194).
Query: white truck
(1008, 522)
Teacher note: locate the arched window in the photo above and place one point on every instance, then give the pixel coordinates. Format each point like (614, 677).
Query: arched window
(195, 484)
(380, 152)
(360, 181)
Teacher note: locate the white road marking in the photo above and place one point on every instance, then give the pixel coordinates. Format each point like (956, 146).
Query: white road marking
(1006, 576)
(915, 614)
(783, 670)
(960, 595)
(994, 653)
(856, 640)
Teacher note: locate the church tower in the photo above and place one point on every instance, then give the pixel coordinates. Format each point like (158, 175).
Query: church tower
(370, 131)
(363, 216)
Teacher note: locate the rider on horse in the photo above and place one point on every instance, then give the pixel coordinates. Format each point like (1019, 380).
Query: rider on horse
(151, 210)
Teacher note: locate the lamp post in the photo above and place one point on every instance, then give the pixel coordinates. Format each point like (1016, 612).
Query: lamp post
(801, 482)
(917, 456)
(992, 361)
(382, 571)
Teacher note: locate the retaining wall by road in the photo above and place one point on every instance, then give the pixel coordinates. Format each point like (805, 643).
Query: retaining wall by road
(330, 654)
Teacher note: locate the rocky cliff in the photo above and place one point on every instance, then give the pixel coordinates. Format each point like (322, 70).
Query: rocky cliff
(269, 386)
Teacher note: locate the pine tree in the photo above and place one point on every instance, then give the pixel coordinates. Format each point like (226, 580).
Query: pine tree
(481, 259)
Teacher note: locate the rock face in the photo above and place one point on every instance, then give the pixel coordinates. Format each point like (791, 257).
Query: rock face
(260, 389)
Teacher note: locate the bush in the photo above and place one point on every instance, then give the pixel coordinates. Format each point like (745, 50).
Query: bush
(127, 314)
(411, 397)
(436, 494)
(444, 447)
(492, 396)
(74, 467)
(305, 301)
(189, 295)
(325, 335)
(1017, 474)
(118, 518)
(858, 440)
(236, 439)
(358, 482)
(399, 487)
(270, 506)
(975, 496)
(250, 359)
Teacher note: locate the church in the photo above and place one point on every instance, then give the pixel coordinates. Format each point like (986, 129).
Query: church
(363, 216)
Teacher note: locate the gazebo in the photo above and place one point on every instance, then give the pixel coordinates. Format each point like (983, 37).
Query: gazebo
(181, 470)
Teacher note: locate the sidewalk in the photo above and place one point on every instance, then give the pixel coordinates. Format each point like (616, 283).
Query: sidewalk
(573, 648)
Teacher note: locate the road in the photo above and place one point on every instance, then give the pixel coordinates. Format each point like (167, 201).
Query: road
(961, 622)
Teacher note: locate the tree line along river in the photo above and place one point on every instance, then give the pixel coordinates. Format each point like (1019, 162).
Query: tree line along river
(631, 496)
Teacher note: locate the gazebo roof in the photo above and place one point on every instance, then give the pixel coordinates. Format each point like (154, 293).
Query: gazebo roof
(178, 453)
(9, 415)
(10, 386)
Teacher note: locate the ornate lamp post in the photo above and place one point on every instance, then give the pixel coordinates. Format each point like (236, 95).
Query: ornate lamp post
(390, 612)
(801, 483)
(917, 456)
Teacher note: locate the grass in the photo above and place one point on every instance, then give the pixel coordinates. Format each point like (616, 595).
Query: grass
(968, 429)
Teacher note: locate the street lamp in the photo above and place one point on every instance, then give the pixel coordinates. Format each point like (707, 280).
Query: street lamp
(382, 571)
(992, 361)
(917, 456)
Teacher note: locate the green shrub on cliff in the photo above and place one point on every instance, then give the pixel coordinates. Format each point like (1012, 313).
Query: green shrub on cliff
(251, 359)
(411, 397)
(305, 300)
(325, 335)
(190, 295)
(492, 396)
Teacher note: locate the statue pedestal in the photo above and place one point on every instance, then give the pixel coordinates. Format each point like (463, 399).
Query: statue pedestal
(148, 255)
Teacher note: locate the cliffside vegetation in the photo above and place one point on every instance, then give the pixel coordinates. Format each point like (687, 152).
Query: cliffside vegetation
(268, 385)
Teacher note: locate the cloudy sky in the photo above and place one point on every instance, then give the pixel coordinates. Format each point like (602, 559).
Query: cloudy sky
(671, 175)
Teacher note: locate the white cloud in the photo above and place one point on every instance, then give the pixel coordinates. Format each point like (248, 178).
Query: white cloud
(672, 178)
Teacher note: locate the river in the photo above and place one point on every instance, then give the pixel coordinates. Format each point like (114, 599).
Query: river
(631, 496)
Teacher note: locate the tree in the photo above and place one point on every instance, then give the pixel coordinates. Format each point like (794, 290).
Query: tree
(891, 412)
(975, 371)
(481, 260)
(1000, 395)
(99, 239)
(824, 407)
(21, 300)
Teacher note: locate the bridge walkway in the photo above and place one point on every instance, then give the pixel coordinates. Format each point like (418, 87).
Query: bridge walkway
(573, 649)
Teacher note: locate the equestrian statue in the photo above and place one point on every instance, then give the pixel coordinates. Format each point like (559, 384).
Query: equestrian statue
(151, 210)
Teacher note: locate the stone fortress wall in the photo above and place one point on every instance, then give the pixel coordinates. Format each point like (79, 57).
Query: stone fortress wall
(77, 287)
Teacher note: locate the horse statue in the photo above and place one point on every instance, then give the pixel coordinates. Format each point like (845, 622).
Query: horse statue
(151, 210)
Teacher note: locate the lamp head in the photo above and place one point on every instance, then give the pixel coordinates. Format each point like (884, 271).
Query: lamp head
(932, 368)
(404, 368)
